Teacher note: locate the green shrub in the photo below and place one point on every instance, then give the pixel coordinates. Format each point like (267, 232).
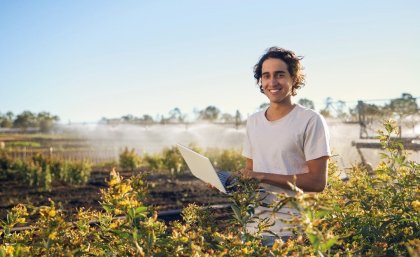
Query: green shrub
(377, 215)
(228, 160)
(172, 160)
(79, 172)
(368, 215)
(6, 163)
(41, 171)
(129, 160)
(35, 175)
(153, 162)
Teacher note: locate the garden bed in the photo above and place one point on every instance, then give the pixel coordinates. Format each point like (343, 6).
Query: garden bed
(166, 193)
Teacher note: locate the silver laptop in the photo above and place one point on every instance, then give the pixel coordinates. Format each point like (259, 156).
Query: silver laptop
(202, 168)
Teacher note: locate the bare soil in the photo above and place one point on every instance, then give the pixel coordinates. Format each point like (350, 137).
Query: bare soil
(166, 193)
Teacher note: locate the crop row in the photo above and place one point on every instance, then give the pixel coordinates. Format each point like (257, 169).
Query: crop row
(41, 171)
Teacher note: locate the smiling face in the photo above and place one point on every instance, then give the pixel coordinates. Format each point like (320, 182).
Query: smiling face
(276, 81)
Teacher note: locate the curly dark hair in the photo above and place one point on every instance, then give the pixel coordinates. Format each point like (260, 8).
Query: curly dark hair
(293, 66)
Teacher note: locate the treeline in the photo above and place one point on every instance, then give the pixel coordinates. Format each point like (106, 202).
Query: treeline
(44, 121)
(398, 107)
(210, 113)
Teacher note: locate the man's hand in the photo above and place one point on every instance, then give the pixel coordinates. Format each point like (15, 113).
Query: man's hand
(250, 174)
(245, 172)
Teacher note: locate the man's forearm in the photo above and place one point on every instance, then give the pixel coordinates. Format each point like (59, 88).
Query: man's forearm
(313, 181)
(307, 182)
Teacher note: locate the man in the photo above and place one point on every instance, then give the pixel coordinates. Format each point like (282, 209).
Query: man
(286, 140)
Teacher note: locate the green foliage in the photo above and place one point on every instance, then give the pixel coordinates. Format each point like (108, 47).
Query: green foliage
(153, 162)
(5, 164)
(367, 215)
(43, 120)
(210, 113)
(405, 105)
(75, 173)
(173, 161)
(307, 103)
(24, 144)
(378, 215)
(129, 159)
(229, 160)
(170, 160)
(41, 171)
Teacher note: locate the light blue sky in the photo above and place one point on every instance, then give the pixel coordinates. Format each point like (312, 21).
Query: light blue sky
(83, 60)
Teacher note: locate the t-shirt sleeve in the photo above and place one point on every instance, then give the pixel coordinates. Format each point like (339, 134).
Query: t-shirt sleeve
(246, 147)
(317, 139)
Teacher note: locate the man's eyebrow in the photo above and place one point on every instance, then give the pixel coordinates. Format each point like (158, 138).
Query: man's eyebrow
(280, 71)
(276, 72)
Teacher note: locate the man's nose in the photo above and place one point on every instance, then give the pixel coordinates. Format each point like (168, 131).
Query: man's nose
(273, 81)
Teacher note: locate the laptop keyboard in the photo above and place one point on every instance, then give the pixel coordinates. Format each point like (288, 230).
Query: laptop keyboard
(224, 176)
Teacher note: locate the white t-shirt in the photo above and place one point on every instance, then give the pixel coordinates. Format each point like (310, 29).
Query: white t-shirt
(283, 147)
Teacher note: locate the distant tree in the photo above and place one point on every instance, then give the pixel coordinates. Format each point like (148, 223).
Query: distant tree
(25, 120)
(6, 120)
(210, 113)
(176, 114)
(405, 105)
(129, 118)
(238, 118)
(307, 103)
(147, 118)
(340, 107)
(363, 108)
(103, 120)
(46, 121)
(227, 117)
(263, 106)
(326, 113)
(334, 109)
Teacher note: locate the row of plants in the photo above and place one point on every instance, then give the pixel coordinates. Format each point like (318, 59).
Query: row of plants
(40, 171)
(140, 233)
(170, 160)
(366, 215)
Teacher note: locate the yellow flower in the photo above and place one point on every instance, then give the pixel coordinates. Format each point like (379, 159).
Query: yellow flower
(276, 245)
(124, 202)
(113, 225)
(9, 250)
(125, 188)
(20, 220)
(53, 235)
(52, 213)
(416, 205)
(112, 182)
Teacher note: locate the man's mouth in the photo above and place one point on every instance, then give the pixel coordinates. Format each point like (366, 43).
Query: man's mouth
(274, 90)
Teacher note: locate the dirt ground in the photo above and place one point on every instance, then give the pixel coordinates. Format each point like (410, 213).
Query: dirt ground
(166, 193)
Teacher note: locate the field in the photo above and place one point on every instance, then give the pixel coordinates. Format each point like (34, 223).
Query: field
(166, 193)
(373, 212)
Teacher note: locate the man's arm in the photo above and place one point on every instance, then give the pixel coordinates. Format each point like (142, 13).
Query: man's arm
(313, 181)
